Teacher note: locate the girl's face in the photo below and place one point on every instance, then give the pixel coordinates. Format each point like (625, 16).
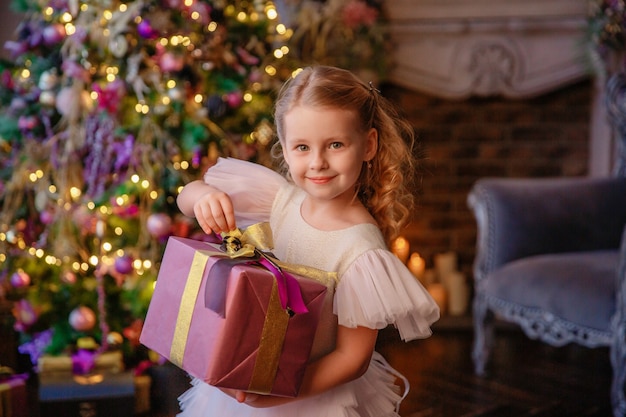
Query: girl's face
(325, 149)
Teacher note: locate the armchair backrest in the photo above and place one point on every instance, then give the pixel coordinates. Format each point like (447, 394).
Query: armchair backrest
(523, 217)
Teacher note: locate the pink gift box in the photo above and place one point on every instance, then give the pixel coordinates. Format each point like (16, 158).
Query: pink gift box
(254, 346)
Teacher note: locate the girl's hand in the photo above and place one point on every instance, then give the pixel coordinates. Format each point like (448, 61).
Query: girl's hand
(212, 208)
(214, 212)
(256, 400)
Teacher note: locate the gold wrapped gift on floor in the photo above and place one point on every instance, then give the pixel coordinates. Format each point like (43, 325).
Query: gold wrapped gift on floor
(107, 361)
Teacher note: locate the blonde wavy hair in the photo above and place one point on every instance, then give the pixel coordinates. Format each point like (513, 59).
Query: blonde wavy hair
(384, 186)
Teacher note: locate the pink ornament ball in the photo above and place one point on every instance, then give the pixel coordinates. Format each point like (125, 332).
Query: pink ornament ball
(68, 277)
(25, 314)
(159, 225)
(234, 99)
(65, 101)
(124, 264)
(82, 319)
(27, 122)
(20, 279)
(171, 62)
(53, 34)
(46, 217)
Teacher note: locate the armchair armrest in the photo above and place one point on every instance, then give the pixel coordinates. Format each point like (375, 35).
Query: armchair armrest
(523, 217)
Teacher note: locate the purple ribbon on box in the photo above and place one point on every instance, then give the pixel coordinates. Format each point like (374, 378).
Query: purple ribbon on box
(288, 288)
(247, 248)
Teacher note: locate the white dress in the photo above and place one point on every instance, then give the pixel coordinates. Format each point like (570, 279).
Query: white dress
(375, 289)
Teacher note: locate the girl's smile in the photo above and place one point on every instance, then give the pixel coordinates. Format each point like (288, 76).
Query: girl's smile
(320, 180)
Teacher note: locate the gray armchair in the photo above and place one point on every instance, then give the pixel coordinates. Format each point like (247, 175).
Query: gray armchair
(551, 257)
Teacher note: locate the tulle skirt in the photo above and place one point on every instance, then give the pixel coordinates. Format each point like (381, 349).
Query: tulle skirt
(375, 394)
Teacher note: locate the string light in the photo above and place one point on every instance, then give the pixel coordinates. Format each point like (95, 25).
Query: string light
(270, 70)
(70, 29)
(75, 192)
(271, 12)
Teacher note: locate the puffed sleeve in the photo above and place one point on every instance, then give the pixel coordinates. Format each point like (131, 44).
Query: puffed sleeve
(377, 290)
(251, 187)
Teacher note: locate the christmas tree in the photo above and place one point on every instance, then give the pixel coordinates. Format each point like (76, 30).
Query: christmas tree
(107, 108)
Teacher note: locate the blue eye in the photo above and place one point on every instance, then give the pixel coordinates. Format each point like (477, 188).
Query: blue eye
(302, 148)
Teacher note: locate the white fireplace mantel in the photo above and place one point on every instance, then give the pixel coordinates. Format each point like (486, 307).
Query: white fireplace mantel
(459, 48)
(456, 49)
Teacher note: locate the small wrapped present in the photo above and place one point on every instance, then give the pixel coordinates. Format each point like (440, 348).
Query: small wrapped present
(112, 361)
(98, 394)
(227, 323)
(13, 397)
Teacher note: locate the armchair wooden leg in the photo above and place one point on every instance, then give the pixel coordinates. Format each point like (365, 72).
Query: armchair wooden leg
(483, 334)
(618, 363)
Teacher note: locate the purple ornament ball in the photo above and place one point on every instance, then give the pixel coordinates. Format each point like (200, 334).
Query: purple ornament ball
(145, 30)
(124, 264)
(82, 319)
(159, 225)
(20, 279)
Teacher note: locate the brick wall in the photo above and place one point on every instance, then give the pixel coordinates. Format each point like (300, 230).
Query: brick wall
(462, 141)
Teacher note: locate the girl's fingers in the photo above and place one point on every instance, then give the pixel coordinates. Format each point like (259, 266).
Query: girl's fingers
(240, 396)
(215, 213)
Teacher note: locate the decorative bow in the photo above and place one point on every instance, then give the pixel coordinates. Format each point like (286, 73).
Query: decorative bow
(251, 247)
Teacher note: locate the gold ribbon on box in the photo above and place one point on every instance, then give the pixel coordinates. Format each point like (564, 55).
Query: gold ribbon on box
(255, 238)
(259, 236)
(187, 303)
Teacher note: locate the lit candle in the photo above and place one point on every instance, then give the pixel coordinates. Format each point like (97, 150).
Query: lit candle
(430, 276)
(445, 263)
(438, 292)
(400, 248)
(458, 293)
(417, 265)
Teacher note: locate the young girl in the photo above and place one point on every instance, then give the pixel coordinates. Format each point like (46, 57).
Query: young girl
(344, 197)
